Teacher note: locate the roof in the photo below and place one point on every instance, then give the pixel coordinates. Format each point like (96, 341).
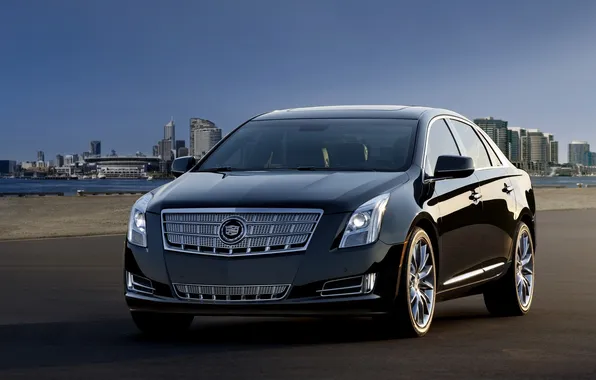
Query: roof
(372, 111)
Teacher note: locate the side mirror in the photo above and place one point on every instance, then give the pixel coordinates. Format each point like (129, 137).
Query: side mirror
(453, 167)
(183, 164)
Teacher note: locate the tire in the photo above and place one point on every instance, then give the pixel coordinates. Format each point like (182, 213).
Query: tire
(417, 289)
(161, 324)
(512, 294)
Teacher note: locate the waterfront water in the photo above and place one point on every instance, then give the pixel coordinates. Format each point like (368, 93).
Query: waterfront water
(69, 187)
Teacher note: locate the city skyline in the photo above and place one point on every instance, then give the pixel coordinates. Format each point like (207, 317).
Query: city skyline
(169, 129)
(72, 72)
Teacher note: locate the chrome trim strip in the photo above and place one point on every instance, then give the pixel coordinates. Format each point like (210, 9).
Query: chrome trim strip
(240, 210)
(494, 266)
(473, 273)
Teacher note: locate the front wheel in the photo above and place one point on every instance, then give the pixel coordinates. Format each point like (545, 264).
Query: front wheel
(415, 304)
(161, 324)
(512, 294)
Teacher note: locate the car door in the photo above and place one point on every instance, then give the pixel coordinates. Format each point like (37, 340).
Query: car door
(498, 202)
(457, 206)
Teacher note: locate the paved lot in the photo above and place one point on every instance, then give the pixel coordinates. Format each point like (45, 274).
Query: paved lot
(62, 316)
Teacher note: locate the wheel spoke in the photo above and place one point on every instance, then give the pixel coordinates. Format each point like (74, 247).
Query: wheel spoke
(415, 308)
(413, 294)
(422, 310)
(527, 271)
(526, 260)
(423, 257)
(425, 285)
(415, 257)
(425, 272)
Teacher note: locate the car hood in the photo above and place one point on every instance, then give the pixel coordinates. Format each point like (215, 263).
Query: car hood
(331, 191)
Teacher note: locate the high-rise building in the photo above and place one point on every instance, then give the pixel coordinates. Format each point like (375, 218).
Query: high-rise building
(59, 160)
(169, 131)
(514, 145)
(155, 150)
(95, 148)
(182, 151)
(538, 147)
(165, 150)
(7, 167)
(196, 124)
(204, 139)
(41, 156)
(532, 148)
(579, 153)
(497, 130)
(554, 152)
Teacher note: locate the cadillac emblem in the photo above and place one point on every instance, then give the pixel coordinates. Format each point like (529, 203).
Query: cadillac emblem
(232, 231)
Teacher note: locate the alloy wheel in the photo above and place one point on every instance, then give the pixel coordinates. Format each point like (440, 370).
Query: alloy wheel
(524, 269)
(421, 283)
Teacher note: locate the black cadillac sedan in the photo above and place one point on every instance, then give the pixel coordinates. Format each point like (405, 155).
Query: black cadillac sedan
(378, 211)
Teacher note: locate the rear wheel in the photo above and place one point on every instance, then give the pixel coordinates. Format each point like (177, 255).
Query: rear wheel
(415, 305)
(512, 294)
(161, 324)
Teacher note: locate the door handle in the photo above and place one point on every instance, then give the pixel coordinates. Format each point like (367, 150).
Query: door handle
(475, 196)
(507, 189)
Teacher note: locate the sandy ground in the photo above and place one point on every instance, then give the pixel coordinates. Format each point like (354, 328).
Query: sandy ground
(37, 217)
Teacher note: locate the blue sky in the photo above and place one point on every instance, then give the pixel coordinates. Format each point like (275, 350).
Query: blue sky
(116, 70)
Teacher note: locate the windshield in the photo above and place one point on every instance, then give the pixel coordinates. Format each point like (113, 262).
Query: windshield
(317, 144)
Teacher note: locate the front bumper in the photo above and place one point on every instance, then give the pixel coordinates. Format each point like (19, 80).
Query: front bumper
(302, 299)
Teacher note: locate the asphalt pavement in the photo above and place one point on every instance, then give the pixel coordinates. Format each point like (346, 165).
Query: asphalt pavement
(63, 316)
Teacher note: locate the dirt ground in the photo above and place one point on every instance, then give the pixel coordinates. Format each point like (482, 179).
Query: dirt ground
(53, 216)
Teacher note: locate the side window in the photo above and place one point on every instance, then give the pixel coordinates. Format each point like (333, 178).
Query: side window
(473, 145)
(494, 159)
(440, 142)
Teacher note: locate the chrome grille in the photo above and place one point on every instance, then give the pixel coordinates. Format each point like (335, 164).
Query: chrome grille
(234, 293)
(264, 231)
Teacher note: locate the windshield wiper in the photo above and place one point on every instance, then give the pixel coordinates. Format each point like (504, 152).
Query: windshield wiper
(217, 169)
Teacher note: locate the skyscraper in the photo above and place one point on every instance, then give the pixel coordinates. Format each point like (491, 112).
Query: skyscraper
(169, 131)
(538, 145)
(195, 124)
(95, 148)
(59, 160)
(41, 156)
(579, 153)
(514, 145)
(497, 130)
(554, 152)
(204, 139)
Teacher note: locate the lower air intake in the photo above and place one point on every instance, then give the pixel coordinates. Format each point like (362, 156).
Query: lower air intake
(234, 293)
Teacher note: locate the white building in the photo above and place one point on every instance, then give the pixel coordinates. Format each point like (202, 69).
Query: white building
(204, 139)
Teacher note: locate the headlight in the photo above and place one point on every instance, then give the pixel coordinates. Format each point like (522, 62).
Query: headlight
(137, 225)
(365, 223)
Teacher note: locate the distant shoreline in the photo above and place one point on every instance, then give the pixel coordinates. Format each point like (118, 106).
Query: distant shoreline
(67, 216)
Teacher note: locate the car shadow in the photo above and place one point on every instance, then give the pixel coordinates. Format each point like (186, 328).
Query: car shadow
(117, 340)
